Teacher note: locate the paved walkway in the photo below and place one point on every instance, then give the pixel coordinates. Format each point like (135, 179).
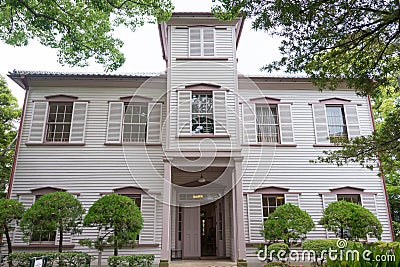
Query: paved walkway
(203, 263)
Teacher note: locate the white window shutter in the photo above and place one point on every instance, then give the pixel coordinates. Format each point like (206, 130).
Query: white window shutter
(326, 200)
(255, 211)
(38, 123)
(320, 124)
(220, 121)
(115, 117)
(154, 123)
(148, 210)
(208, 42)
(78, 123)
(368, 201)
(17, 236)
(292, 199)
(285, 123)
(249, 123)
(195, 41)
(353, 126)
(184, 112)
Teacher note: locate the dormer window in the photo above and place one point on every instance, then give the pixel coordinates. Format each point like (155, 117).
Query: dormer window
(201, 42)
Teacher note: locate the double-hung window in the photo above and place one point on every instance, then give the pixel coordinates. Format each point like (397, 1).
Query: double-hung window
(267, 123)
(58, 125)
(353, 198)
(201, 41)
(135, 122)
(202, 113)
(336, 123)
(270, 203)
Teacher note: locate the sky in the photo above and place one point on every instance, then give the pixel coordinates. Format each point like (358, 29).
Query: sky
(141, 48)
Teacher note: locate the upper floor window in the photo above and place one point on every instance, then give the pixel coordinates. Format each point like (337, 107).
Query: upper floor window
(135, 122)
(201, 41)
(270, 203)
(267, 124)
(59, 122)
(336, 123)
(354, 198)
(202, 113)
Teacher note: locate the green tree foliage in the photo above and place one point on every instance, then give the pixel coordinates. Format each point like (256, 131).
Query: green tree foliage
(119, 219)
(9, 116)
(287, 222)
(80, 30)
(58, 211)
(350, 221)
(393, 193)
(362, 50)
(10, 210)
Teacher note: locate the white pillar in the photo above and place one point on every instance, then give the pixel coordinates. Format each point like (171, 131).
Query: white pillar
(166, 217)
(238, 205)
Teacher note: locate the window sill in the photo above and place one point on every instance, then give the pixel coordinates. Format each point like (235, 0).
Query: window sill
(43, 245)
(54, 144)
(326, 145)
(271, 144)
(132, 144)
(202, 58)
(204, 136)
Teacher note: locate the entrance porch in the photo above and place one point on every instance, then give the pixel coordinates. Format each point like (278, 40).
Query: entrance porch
(203, 211)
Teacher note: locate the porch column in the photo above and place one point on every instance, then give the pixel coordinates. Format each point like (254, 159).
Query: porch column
(166, 216)
(238, 205)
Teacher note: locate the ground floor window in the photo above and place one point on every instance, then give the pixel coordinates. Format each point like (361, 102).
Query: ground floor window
(354, 198)
(270, 203)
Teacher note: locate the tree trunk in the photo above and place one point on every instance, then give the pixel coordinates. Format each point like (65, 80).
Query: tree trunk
(115, 243)
(99, 259)
(60, 241)
(8, 239)
(341, 233)
(115, 247)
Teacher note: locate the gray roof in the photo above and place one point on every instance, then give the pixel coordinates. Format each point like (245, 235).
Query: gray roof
(82, 74)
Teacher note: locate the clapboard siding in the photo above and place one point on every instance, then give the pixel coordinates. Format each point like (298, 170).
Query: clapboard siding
(290, 167)
(220, 72)
(94, 167)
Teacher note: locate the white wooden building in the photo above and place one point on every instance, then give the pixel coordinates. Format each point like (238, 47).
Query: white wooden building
(205, 152)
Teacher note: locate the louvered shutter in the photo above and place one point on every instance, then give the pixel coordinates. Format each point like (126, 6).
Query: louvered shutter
(39, 117)
(78, 122)
(249, 123)
(115, 118)
(320, 124)
(27, 201)
(285, 123)
(220, 121)
(326, 200)
(148, 210)
(255, 211)
(154, 123)
(368, 201)
(184, 112)
(292, 199)
(194, 41)
(208, 42)
(353, 126)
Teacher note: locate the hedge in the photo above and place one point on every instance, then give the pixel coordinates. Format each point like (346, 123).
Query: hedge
(145, 260)
(67, 259)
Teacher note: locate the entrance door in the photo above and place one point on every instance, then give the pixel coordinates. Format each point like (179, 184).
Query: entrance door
(191, 233)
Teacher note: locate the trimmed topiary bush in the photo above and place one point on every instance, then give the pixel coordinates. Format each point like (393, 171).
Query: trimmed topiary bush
(131, 261)
(350, 221)
(287, 222)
